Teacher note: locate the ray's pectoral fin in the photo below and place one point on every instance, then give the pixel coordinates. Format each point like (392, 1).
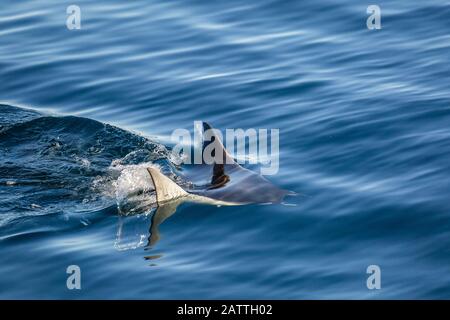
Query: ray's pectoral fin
(165, 188)
(213, 145)
(168, 197)
(219, 178)
(243, 186)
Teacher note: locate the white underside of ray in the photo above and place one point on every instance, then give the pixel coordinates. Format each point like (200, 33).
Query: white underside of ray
(167, 190)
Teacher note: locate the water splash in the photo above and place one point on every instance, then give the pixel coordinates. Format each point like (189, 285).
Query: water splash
(72, 164)
(134, 189)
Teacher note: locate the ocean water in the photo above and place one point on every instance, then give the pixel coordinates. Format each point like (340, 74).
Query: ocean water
(364, 121)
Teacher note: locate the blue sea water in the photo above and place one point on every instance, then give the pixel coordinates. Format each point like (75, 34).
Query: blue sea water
(364, 140)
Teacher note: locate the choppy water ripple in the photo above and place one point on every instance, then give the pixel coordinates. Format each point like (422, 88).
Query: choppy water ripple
(363, 118)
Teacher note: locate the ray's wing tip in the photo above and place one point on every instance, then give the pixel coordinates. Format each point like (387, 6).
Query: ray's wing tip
(206, 126)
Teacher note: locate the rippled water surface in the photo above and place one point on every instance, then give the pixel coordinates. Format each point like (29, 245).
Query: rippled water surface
(364, 140)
